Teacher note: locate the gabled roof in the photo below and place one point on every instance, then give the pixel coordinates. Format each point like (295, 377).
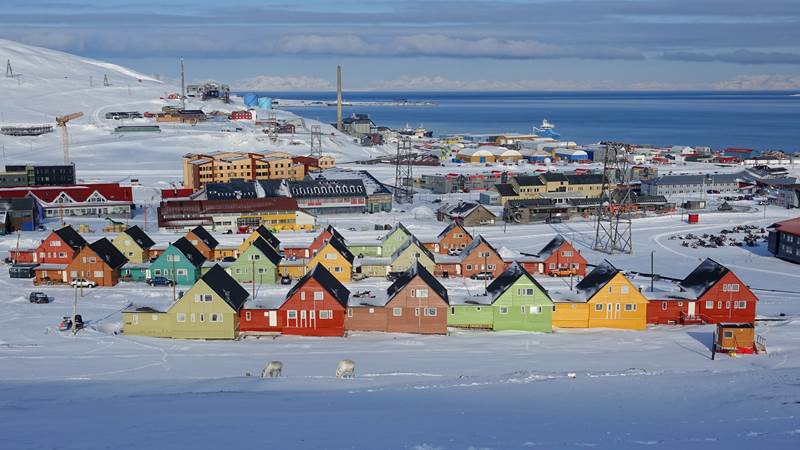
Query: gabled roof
(399, 226)
(450, 227)
(707, 274)
(71, 237)
(140, 237)
(413, 240)
(340, 247)
(268, 236)
(529, 180)
(474, 244)
(191, 252)
(226, 287)
(506, 189)
(552, 246)
(462, 209)
(586, 178)
(335, 233)
(506, 279)
(108, 253)
(205, 236)
(596, 279)
(267, 250)
(791, 226)
(410, 274)
(554, 176)
(327, 281)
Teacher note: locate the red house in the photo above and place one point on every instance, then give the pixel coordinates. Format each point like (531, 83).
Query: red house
(315, 306)
(712, 293)
(558, 257)
(60, 247)
(312, 249)
(260, 316)
(98, 199)
(241, 115)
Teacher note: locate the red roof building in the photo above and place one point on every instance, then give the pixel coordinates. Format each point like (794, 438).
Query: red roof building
(101, 199)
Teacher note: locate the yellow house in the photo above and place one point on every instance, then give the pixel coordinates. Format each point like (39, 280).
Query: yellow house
(605, 298)
(135, 244)
(260, 232)
(208, 310)
(294, 268)
(335, 257)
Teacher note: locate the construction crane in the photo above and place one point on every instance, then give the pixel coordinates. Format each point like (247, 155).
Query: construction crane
(62, 122)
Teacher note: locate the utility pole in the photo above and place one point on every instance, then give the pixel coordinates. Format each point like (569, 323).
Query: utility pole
(652, 270)
(174, 281)
(75, 312)
(183, 87)
(339, 98)
(254, 276)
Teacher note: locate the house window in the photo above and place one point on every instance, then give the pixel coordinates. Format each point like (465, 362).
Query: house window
(173, 258)
(291, 314)
(98, 274)
(337, 269)
(416, 312)
(55, 243)
(247, 316)
(503, 310)
(192, 317)
(62, 254)
(710, 304)
(452, 311)
(202, 317)
(207, 298)
(727, 334)
(616, 307)
(630, 307)
(490, 266)
(623, 289)
(349, 312)
(663, 306)
(397, 312)
(535, 309)
(610, 289)
(525, 292)
(154, 316)
(598, 307)
(92, 259)
(552, 266)
(302, 295)
(733, 287)
(372, 310)
(719, 304)
(180, 317)
(135, 319)
(430, 312)
(469, 266)
(330, 256)
(741, 304)
(728, 305)
(419, 293)
(216, 317)
(567, 254)
(318, 295)
(326, 314)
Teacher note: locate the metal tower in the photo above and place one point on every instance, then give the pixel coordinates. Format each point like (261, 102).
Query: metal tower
(613, 229)
(316, 141)
(403, 179)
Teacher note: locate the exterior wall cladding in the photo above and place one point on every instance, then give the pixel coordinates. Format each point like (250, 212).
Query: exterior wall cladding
(785, 246)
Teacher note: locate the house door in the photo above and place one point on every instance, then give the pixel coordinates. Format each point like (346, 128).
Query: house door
(691, 311)
(609, 311)
(273, 318)
(312, 319)
(303, 319)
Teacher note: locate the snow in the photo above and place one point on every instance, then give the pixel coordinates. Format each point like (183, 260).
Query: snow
(469, 389)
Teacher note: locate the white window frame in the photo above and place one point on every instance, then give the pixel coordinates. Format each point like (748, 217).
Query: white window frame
(319, 296)
(430, 312)
(503, 310)
(180, 317)
(397, 312)
(710, 304)
(598, 307)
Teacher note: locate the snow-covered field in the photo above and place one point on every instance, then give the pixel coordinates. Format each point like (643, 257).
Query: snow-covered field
(631, 389)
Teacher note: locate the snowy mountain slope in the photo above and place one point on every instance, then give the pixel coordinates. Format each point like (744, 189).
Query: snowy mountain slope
(54, 83)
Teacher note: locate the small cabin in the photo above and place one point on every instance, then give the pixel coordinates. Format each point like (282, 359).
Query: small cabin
(739, 337)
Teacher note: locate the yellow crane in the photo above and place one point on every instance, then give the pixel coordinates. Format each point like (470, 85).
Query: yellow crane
(62, 122)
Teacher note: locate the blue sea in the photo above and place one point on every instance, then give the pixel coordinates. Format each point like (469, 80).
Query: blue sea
(758, 120)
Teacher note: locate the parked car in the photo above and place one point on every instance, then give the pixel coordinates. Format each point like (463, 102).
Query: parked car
(160, 281)
(392, 276)
(563, 272)
(552, 220)
(38, 297)
(454, 251)
(80, 282)
(228, 259)
(482, 276)
(286, 279)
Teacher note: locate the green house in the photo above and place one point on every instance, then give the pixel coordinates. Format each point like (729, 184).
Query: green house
(395, 239)
(180, 262)
(259, 260)
(513, 301)
(411, 252)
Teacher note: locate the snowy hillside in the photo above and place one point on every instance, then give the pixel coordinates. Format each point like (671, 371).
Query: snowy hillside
(53, 83)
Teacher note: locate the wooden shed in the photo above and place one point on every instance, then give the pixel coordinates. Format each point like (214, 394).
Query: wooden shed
(739, 337)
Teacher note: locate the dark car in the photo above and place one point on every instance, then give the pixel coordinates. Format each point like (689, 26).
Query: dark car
(160, 281)
(38, 297)
(552, 220)
(482, 276)
(286, 279)
(392, 276)
(228, 259)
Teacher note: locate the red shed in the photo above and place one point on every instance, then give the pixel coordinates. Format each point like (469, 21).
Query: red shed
(261, 315)
(315, 306)
(60, 247)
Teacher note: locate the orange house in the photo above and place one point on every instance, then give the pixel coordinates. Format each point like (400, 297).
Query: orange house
(557, 258)
(451, 240)
(203, 242)
(99, 261)
(479, 256)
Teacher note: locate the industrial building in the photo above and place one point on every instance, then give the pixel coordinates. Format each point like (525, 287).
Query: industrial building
(35, 175)
(221, 167)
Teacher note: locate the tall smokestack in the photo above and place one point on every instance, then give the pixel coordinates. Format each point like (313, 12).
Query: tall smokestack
(338, 97)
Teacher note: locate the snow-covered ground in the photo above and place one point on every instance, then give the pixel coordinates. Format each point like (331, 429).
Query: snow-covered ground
(470, 389)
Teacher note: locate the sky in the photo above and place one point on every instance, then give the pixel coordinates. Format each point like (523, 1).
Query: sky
(431, 44)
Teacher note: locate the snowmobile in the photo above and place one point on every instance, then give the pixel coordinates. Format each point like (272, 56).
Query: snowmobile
(67, 323)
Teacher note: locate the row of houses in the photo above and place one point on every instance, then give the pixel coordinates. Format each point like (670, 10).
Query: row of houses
(319, 304)
(543, 209)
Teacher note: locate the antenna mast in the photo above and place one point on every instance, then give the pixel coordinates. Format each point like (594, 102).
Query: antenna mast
(339, 98)
(403, 180)
(613, 227)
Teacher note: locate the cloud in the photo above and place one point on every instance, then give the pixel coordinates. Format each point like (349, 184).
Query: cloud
(736, 57)
(760, 83)
(283, 83)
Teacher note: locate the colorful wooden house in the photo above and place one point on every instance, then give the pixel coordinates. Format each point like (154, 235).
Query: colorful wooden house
(336, 258)
(721, 295)
(59, 247)
(263, 233)
(305, 252)
(208, 310)
(406, 256)
(99, 261)
(258, 262)
(477, 257)
(203, 241)
(180, 262)
(452, 240)
(513, 301)
(737, 337)
(605, 298)
(558, 258)
(315, 306)
(135, 244)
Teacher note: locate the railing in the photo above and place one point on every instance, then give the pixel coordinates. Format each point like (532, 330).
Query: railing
(761, 343)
